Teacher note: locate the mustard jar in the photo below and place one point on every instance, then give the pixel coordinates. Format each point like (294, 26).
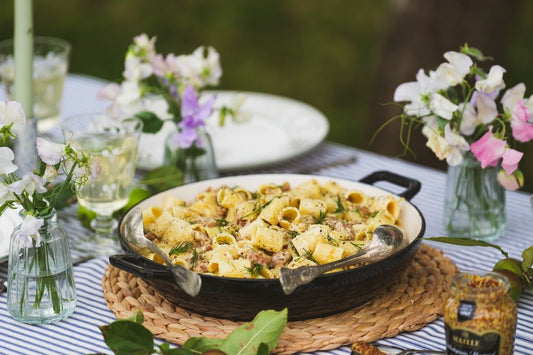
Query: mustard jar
(480, 315)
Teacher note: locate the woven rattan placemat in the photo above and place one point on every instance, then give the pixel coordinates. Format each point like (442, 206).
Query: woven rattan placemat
(415, 299)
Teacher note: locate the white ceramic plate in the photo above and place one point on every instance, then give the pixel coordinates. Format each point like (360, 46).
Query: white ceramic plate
(8, 220)
(279, 129)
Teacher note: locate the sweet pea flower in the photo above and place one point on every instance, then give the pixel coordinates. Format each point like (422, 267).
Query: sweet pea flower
(109, 92)
(442, 107)
(211, 69)
(144, 46)
(488, 149)
(6, 161)
(136, 70)
(30, 230)
(29, 184)
(483, 111)
(511, 182)
(50, 173)
(520, 125)
(510, 160)
(456, 146)
(194, 115)
(457, 67)
(494, 80)
(512, 96)
(5, 194)
(50, 153)
(411, 92)
(11, 112)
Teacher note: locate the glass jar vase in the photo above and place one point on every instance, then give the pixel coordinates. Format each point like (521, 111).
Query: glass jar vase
(196, 162)
(40, 286)
(474, 205)
(480, 315)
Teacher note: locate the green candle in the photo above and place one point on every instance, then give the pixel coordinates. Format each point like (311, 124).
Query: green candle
(24, 55)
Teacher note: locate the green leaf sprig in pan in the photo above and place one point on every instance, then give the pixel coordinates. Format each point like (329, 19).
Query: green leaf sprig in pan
(258, 337)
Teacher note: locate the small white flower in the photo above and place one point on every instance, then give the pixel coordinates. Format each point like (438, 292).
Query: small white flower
(211, 69)
(494, 80)
(51, 153)
(6, 161)
(239, 115)
(12, 112)
(30, 230)
(456, 146)
(483, 112)
(512, 96)
(435, 142)
(457, 67)
(442, 107)
(432, 83)
(410, 91)
(145, 45)
(5, 194)
(130, 95)
(50, 173)
(29, 184)
(109, 92)
(135, 69)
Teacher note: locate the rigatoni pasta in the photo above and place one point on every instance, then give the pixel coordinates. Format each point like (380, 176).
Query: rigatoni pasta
(233, 232)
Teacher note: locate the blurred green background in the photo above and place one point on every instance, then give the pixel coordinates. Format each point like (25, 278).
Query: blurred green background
(345, 57)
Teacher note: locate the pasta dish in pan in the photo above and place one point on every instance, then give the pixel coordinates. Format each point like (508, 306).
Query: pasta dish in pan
(233, 232)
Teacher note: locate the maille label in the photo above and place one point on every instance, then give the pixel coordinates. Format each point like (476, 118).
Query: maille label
(464, 342)
(466, 310)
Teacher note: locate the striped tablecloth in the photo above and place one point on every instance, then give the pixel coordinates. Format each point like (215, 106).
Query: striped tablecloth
(79, 334)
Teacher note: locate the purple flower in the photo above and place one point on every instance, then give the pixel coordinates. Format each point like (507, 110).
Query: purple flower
(194, 115)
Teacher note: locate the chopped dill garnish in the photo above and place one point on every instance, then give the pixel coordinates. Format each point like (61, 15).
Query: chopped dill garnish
(309, 256)
(222, 222)
(258, 209)
(358, 211)
(293, 234)
(255, 269)
(331, 240)
(340, 207)
(194, 258)
(180, 248)
(321, 217)
(357, 246)
(374, 214)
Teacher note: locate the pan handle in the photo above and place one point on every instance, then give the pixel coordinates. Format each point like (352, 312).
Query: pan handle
(412, 186)
(139, 266)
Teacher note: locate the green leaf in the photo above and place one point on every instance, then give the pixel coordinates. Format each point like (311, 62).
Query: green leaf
(200, 345)
(162, 178)
(266, 328)
(467, 242)
(151, 122)
(180, 248)
(527, 256)
(125, 337)
(136, 317)
(166, 350)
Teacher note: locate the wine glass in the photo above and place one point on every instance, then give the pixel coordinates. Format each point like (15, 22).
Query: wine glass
(112, 149)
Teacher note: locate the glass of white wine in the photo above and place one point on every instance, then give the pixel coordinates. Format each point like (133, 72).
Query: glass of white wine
(50, 66)
(112, 149)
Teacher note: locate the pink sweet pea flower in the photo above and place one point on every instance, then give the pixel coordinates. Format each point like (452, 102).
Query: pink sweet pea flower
(510, 160)
(522, 129)
(488, 149)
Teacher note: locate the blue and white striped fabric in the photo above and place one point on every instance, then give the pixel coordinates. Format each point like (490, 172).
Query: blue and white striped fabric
(79, 334)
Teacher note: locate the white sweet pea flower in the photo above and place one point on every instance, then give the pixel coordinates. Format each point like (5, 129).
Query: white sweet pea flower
(239, 115)
(6, 161)
(29, 184)
(457, 67)
(211, 71)
(484, 112)
(30, 230)
(435, 142)
(109, 92)
(145, 46)
(432, 83)
(512, 96)
(12, 112)
(130, 96)
(410, 91)
(442, 107)
(5, 194)
(494, 80)
(51, 153)
(50, 173)
(136, 70)
(456, 146)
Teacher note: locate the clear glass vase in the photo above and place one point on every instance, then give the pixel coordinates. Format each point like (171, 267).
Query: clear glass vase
(474, 205)
(196, 162)
(40, 287)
